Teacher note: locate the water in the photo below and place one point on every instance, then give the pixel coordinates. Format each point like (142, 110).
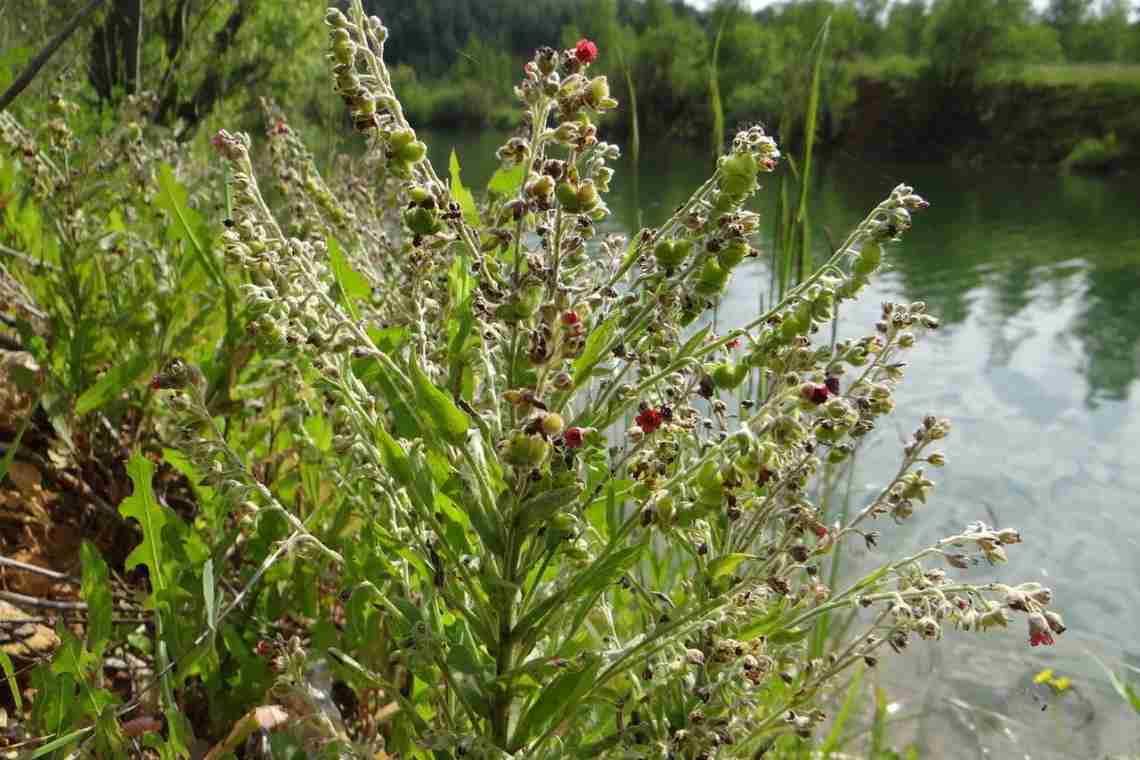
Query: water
(1036, 278)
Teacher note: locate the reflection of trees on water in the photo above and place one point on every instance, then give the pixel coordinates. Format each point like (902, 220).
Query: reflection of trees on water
(1027, 241)
(1109, 328)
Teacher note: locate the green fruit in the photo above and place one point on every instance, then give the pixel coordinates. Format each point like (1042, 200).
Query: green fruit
(732, 254)
(727, 376)
(670, 254)
(712, 278)
(567, 194)
(412, 153)
(421, 221)
(738, 174)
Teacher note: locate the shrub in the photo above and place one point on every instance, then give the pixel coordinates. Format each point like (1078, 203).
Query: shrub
(483, 485)
(1093, 154)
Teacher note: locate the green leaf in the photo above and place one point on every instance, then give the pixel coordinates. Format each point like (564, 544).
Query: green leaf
(114, 382)
(726, 564)
(819, 46)
(395, 459)
(209, 594)
(553, 699)
(353, 285)
(836, 735)
(172, 198)
(594, 579)
(61, 741)
(596, 347)
(144, 507)
(96, 591)
(14, 446)
(506, 182)
(447, 419)
(10, 674)
(540, 508)
(461, 194)
(879, 724)
(1126, 692)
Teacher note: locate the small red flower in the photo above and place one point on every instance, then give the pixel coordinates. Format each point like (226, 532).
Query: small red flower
(280, 127)
(1039, 631)
(649, 420)
(733, 344)
(570, 318)
(264, 648)
(816, 393)
(573, 437)
(585, 51)
(819, 529)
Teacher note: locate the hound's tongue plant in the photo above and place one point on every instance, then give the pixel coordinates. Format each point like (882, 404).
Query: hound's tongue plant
(503, 571)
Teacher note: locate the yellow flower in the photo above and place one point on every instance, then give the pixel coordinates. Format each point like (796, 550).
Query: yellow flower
(1045, 676)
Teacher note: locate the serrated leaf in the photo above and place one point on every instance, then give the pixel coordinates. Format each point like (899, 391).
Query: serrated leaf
(96, 591)
(143, 506)
(353, 285)
(460, 193)
(113, 382)
(447, 419)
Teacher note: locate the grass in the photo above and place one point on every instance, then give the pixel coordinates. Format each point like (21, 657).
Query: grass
(1049, 74)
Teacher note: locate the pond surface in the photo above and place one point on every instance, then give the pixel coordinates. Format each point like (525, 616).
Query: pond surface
(1036, 278)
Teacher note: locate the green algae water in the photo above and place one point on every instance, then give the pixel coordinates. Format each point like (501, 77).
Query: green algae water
(1035, 277)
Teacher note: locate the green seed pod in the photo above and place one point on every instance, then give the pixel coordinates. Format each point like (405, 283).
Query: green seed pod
(738, 174)
(421, 221)
(712, 278)
(567, 194)
(412, 153)
(587, 196)
(670, 254)
(402, 138)
(540, 187)
(727, 376)
(869, 259)
(527, 450)
(732, 254)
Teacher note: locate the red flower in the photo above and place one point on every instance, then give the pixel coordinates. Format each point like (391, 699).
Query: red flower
(280, 127)
(585, 51)
(819, 529)
(649, 420)
(734, 343)
(570, 318)
(573, 437)
(1039, 631)
(816, 393)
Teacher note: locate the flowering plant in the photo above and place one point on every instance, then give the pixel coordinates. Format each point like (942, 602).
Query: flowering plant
(441, 491)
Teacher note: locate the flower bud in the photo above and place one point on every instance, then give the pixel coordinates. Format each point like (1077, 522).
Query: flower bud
(552, 424)
(1056, 624)
(1039, 630)
(1009, 536)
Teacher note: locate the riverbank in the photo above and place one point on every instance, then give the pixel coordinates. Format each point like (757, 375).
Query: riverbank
(1076, 117)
